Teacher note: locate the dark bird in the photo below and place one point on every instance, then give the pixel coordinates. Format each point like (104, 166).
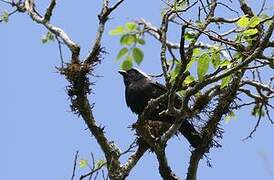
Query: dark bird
(140, 89)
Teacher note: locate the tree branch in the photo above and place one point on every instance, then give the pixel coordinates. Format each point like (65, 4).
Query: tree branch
(134, 158)
(29, 7)
(164, 168)
(49, 10)
(258, 85)
(211, 127)
(103, 17)
(257, 52)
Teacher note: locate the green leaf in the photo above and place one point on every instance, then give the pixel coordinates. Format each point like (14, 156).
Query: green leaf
(199, 23)
(250, 32)
(121, 53)
(141, 41)
(203, 65)
(100, 163)
(225, 63)
(131, 26)
(83, 163)
(182, 93)
(239, 37)
(196, 51)
(189, 79)
(5, 16)
(127, 63)
(243, 22)
(238, 56)
(254, 21)
(216, 59)
(229, 116)
(177, 67)
(47, 38)
(44, 39)
(179, 5)
(255, 110)
(258, 111)
(50, 36)
(225, 81)
(117, 31)
(138, 55)
(176, 71)
(127, 39)
(189, 36)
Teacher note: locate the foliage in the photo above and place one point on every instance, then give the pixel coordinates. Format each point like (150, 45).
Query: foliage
(214, 72)
(49, 37)
(131, 37)
(5, 16)
(83, 163)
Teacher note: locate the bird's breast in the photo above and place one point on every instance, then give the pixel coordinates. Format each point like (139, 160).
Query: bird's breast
(137, 97)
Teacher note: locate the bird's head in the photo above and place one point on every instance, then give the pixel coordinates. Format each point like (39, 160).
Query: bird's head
(132, 75)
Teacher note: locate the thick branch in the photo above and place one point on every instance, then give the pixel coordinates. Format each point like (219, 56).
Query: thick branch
(195, 157)
(211, 127)
(134, 158)
(164, 168)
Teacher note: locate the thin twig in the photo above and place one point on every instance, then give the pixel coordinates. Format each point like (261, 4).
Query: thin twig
(10, 14)
(129, 149)
(257, 124)
(60, 51)
(92, 171)
(75, 164)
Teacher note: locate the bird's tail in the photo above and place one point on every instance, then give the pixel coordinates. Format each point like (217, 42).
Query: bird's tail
(191, 134)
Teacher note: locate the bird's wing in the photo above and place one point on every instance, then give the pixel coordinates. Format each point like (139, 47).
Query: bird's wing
(160, 89)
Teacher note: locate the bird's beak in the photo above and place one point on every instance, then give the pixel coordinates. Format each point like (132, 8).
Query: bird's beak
(123, 73)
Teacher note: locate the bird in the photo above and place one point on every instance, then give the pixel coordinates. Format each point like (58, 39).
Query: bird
(140, 89)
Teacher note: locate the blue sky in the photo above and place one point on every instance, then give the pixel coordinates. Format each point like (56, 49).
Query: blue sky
(39, 135)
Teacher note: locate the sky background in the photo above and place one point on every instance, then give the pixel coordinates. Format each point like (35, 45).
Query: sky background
(39, 135)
